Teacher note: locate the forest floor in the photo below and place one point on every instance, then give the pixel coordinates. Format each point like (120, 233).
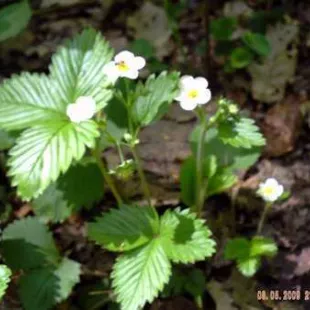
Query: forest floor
(165, 145)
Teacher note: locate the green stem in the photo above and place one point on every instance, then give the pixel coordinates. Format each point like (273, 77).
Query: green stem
(107, 177)
(263, 218)
(200, 187)
(144, 183)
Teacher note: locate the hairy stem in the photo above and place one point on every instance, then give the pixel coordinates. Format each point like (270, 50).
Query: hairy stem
(200, 185)
(263, 218)
(144, 183)
(107, 177)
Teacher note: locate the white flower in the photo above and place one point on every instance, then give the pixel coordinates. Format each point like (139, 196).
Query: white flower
(270, 190)
(83, 109)
(193, 92)
(125, 64)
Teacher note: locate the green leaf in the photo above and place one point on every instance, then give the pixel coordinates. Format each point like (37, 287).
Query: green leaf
(157, 94)
(240, 57)
(28, 100)
(51, 205)
(38, 290)
(68, 274)
(5, 278)
(33, 232)
(195, 283)
(124, 229)
(140, 275)
(43, 152)
(6, 140)
(82, 185)
(215, 179)
(257, 42)
(261, 246)
(223, 28)
(143, 48)
(249, 266)
(78, 71)
(227, 155)
(237, 248)
(187, 238)
(13, 19)
(241, 132)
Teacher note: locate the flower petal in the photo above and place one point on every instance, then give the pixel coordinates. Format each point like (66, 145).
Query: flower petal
(201, 82)
(125, 56)
(139, 62)
(188, 105)
(204, 96)
(186, 81)
(131, 74)
(110, 70)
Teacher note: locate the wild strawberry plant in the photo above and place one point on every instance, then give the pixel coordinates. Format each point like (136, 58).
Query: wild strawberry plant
(63, 122)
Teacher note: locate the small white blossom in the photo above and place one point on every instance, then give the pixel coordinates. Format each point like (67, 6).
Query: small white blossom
(83, 109)
(270, 190)
(193, 92)
(125, 64)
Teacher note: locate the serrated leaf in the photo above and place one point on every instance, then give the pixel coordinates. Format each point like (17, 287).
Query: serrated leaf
(28, 100)
(124, 229)
(139, 275)
(257, 42)
(249, 266)
(157, 94)
(14, 18)
(68, 275)
(221, 181)
(33, 232)
(38, 289)
(261, 246)
(241, 132)
(187, 238)
(43, 152)
(226, 154)
(78, 71)
(51, 205)
(237, 248)
(82, 185)
(5, 278)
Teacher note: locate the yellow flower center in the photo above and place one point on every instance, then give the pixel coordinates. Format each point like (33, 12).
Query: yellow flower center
(268, 190)
(192, 94)
(122, 66)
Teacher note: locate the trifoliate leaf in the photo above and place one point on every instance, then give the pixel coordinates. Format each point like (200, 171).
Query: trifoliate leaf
(261, 246)
(82, 185)
(78, 71)
(257, 42)
(14, 18)
(28, 100)
(221, 181)
(139, 275)
(249, 266)
(226, 154)
(187, 238)
(35, 233)
(124, 229)
(241, 132)
(157, 94)
(68, 274)
(51, 205)
(6, 140)
(5, 278)
(43, 152)
(38, 290)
